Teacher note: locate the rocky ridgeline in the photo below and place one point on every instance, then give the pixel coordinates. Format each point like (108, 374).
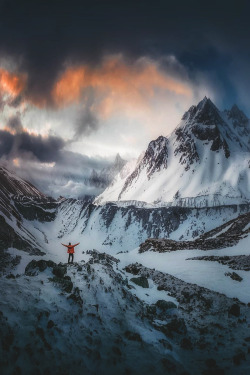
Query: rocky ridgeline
(79, 318)
(236, 262)
(204, 323)
(223, 236)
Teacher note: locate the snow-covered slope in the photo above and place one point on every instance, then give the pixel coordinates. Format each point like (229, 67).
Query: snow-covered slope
(204, 162)
(11, 184)
(19, 200)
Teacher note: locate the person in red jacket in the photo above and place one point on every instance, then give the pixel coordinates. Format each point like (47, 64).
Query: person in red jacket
(71, 250)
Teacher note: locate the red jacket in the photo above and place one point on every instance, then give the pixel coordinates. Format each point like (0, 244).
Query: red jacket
(71, 248)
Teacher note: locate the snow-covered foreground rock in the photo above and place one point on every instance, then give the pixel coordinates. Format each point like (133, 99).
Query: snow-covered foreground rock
(81, 319)
(86, 318)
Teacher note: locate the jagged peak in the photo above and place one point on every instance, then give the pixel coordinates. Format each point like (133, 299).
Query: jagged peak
(236, 114)
(205, 112)
(119, 162)
(118, 158)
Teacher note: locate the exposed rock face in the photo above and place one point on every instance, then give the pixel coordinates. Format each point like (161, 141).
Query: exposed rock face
(141, 281)
(223, 236)
(155, 158)
(236, 262)
(10, 184)
(20, 200)
(234, 276)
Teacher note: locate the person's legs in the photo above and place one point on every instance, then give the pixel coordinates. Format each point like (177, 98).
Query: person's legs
(71, 256)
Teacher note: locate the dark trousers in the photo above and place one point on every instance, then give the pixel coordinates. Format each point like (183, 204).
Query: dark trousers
(72, 257)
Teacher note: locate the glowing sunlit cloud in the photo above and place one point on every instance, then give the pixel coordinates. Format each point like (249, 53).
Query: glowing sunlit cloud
(118, 85)
(16, 162)
(23, 130)
(11, 83)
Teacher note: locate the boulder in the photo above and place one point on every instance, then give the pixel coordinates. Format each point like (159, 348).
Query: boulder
(141, 281)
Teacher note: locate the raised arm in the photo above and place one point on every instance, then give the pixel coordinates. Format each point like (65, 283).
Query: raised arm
(76, 244)
(64, 245)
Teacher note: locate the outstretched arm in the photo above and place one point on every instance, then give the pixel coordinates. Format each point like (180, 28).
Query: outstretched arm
(64, 245)
(76, 244)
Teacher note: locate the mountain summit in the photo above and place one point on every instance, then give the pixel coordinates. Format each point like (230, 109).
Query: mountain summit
(205, 161)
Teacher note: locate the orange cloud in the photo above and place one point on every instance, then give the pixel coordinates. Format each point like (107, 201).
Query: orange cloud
(11, 83)
(117, 85)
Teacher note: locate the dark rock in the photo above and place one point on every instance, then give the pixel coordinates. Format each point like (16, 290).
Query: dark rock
(64, 283)
(234, 276)
(50, 324)
(141, 281)
(59, 270)
(133, 268)
(17, 371)
(210, 362)
(186, 343)
(10, 276)
(234, 310)
(133, 336)
(238, 357)
(116, 350)
(213, 371)
(166, 344)
(165, 305)
(76, 298)
(168, 365)
(177, 325)
(36, 266)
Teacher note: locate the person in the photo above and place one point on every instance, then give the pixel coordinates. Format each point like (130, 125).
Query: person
(71, 250)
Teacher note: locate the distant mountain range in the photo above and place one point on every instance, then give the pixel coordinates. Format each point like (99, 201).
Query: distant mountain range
(204, 162)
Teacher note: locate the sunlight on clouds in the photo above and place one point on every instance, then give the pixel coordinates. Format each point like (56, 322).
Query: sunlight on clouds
(118, 84)
(12, 84)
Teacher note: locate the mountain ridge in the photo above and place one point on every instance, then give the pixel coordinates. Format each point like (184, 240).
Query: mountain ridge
(207, 154)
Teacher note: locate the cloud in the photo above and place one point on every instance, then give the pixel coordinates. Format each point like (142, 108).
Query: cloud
(12, 83)
(41, 38)
(119, 80)
(29, 146)
(71, 175)
(117, 87)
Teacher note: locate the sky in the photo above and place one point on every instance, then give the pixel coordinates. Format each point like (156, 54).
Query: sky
(81, 81)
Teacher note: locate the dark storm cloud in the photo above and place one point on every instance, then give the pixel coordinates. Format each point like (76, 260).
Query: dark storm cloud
(23, 144)
(71, 175)
(42, 35)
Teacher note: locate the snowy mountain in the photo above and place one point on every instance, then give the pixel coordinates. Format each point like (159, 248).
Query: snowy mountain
(11, 184)
(204, 162)
(20, 200)
(35, 224)
(123, 311)
(107, 175)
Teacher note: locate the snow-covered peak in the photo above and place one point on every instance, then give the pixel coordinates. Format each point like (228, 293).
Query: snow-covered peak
(205, 112)
(205, 157)
(236, 114)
